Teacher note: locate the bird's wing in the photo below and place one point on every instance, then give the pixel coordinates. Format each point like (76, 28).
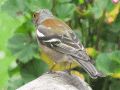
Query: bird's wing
(65, 43)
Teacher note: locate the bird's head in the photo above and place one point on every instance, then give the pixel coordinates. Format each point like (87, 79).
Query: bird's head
(41, 15)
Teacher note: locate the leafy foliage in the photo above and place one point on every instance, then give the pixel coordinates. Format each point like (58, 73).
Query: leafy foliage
(61, 12)
(22, 47)
(32, 70)
(109, 62)
(115, 85)
(15, 82)
(96, 22)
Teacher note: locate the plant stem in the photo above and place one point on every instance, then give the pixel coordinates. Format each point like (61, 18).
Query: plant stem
(99, 30)
(53, 7)
(105, 85)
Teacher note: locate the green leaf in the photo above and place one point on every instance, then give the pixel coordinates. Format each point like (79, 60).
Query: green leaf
(65, 11)
(7, 28)
(13, 69)
(64, 1)
(81, 1)
(32, 69)
(109, 63)
(99, 7)
(15, 7)
(15, 82)
(26, 27)
(22, 46)
(110, 6)
(2, 2)
(97, 12)
(39, 4)
(109, 36)
(115, 27)
(21, 7)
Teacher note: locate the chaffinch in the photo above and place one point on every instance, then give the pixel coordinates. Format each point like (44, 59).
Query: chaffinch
(59, 42)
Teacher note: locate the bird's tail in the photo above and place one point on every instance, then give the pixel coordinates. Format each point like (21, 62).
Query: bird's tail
(88, 67)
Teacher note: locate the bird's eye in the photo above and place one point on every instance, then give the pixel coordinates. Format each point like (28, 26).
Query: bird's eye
(34, 15)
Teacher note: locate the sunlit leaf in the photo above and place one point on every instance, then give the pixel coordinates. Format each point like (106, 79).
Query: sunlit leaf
(91, 52)
(81, 1)
(116, 75)
(7, 27)
(111, 15)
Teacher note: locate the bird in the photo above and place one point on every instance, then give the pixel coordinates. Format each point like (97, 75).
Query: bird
(58, 41)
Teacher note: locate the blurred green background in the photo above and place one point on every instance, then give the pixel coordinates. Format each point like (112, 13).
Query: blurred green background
(96, 22)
